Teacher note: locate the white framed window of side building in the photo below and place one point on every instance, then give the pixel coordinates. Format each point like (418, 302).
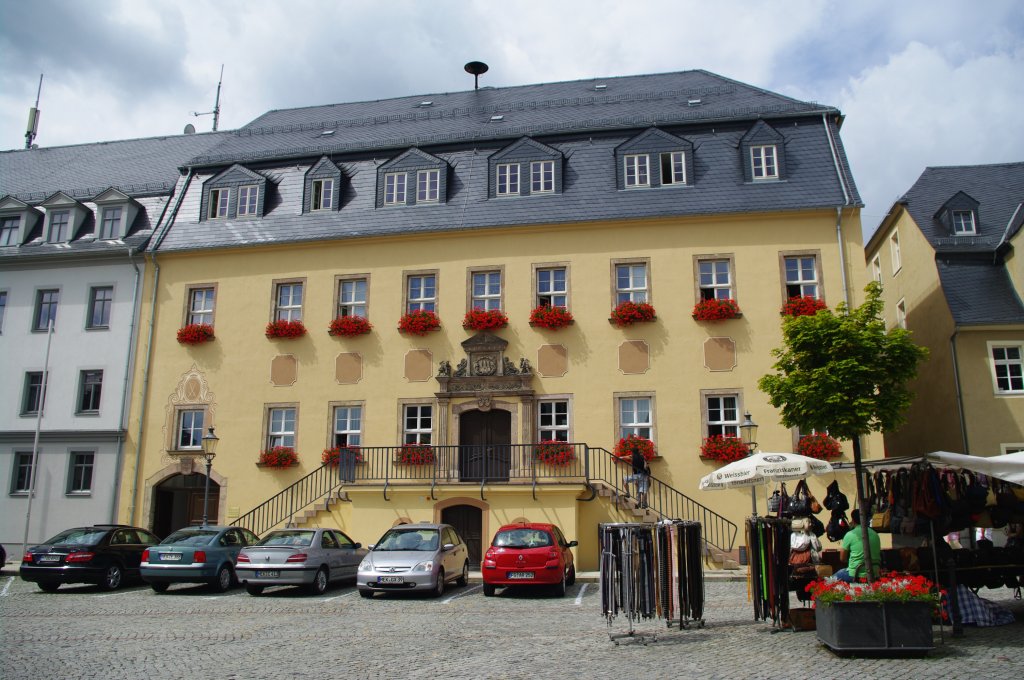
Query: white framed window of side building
(876, 268)
(417, 425)
(631, 282)
(288, 301)
(635, 416)
(552, 287)
(894, 251)
(348, 425)
(486, 291)
(200, 305)
(1007, 361)
(80, 473)
(801, 276)
(721, 413)
(421, 292)
(281, 426)
(901, 314)
(352, 296)
(715, 279)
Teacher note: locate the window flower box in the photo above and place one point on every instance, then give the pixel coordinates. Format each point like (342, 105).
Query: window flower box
(802, 305)
(484, 320)
(195, 334)
(628, 313)
(278, 457)
(349, 326)
(553, 452)
(820, 446)
(420, 322)
(624, 447)
(723, 448)
(714, 309)
(285, 329)
(415, 454)
(551, 318)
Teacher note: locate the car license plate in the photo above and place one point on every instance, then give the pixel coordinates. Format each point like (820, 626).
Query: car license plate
(170, 557)
(50, 558)
(520, 574)
(390, 579)
(268, 574)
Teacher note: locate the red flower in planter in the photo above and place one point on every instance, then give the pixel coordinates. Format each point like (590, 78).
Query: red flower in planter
(349, 326)
(803, 305)
(550, 317)
(724, 448)
(195, 334)
(714, 309)
(285, 329)
(554, 452)
(624, 448)
(628, 313)
(416, 454)
(332, 455)
(819, 445)
(279, 457)
(484, 320)
(420, 322)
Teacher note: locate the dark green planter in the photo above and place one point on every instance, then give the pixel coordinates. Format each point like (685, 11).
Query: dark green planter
(890, 627)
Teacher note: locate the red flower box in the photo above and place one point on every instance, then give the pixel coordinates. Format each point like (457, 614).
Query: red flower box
(628, 313)
(724, 448)
(419, 322)
(715, 310)
(416, 454)
(285, 329)
(803, 305)
(332, 456)
(553, 452)
(624, 448)
(195, 334)
(278, 457)
(484, 320)
(551, 318)
(820, 446)
(349, 326)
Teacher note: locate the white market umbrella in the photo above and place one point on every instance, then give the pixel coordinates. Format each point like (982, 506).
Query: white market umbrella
(1009, 467)
(762, 468)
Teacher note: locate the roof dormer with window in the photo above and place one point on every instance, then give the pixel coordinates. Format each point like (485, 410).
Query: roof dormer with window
(17, 220)
(115, 214)
(236, 193)
(322, 188)
(65, 218)
(654, 158)
(524, 168)
(763, 152)
(959, 215)
(413, 178)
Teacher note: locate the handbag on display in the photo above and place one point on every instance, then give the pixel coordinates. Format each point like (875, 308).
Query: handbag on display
(837, 526)
(817, 527)
(774, 501)
(799, 504)
(835, 500)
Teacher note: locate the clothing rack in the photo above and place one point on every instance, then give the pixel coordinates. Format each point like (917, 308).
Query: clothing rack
(768, 541)
(651, 571)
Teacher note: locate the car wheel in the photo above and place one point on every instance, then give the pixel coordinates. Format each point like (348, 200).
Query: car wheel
(488, 590)
(112, 578)
(366, 593)
(159, 587)
(255, 591)
(463, 580)
(571, 579)
(438, 590)
(319, 584)
(560, 587)
(223, 579)
(48, 586)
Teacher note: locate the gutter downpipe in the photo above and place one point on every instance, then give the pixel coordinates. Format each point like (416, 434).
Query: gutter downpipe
(122, 428)
(959, 393)
(839, 209)
(149, 349)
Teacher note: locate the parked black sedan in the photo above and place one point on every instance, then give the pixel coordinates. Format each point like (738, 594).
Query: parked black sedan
(104, 554)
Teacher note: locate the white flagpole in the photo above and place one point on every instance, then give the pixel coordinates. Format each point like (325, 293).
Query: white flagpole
(34, 473)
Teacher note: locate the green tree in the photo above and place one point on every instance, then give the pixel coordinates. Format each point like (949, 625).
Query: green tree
(843, 372)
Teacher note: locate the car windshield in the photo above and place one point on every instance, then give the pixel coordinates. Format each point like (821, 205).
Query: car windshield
(288, 537)
(409, 539)
(522, 538)
(85, 536)
(191, 537)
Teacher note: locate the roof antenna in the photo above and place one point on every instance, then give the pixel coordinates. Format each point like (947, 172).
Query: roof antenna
(33, 117)
(216, 103)
(477, 68)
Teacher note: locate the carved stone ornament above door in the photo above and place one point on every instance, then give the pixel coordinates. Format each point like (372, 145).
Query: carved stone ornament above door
(485, 370)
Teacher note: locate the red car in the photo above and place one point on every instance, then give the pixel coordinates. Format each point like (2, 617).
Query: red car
(529, 554)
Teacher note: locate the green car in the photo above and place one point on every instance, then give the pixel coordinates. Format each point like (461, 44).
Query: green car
(196, 555)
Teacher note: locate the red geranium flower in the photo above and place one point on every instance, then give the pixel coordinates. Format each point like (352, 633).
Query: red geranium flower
(195, 333)
(420, 322)
(803, 305)
(628, 313)
(624, 447)
(279, 457)
(714, 309)
(724, 448)
(554, 452)
(552, 318)
(285, 329)
(349, 326)
(484, 320)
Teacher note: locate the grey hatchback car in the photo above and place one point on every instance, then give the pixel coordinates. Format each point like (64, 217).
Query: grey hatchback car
(417, 557)
(299, 557)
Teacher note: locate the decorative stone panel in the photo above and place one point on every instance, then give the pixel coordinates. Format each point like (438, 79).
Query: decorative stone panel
(634, 357)
(284, 370)
(719, 354)
(553, 360)
(419, 364)
(348, 368)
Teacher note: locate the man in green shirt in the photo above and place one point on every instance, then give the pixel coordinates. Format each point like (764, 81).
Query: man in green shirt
(852, 550)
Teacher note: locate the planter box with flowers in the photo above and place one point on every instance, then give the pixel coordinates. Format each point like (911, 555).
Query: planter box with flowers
(420, 322)
(553, 452)
(628, 313)
(484, 320)
(415, 454)
(802, 305)
(278, 457)
(624, 447)
(195, 334)
(551, 318)
(285, 329)
(349, 326)
(723, 448)
(716, 310)
(892, 615)
(819, 446)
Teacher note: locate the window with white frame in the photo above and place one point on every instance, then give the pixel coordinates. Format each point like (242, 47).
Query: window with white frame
(901, 314)
(631, 283)
(715, 279)
(723, 415)
(21, 475)
(200, 306)
(352, 297)
(801, 276)
(635, 417)
(348, 426)
(288, 302)
(673, 168)
(963, 222)
(323, 194)
(218, 206)
(281, 426)
(46, 310)
(894, 250)
(542, 177)
(417, 424)
(552, 287)
(189, 433)
(428, 183)
(1008, 369)
(110, 223)
(247, 200)
(59, 231)
(34, 393)
(100, 300)
(9, 231)
(422, 293)
(507, 180)
(80, 469)
(394, 188)
(553, 420)
(637, 170)
(89, 390)
(876, 268)
(486, 290)
(762, 162)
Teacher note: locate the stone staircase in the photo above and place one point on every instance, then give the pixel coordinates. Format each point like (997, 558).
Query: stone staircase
(301, 518)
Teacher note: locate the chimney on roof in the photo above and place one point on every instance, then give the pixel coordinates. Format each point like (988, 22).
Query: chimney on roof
(476, 68)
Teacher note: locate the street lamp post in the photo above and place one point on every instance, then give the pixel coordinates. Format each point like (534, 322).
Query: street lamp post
(748, 428)
(210, 441)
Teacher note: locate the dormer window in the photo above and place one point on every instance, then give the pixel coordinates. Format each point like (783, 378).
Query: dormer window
(235, 192)
(17, 220)
(427, 184)
(637, 171)
(525, 167)
(763, 154)
(673, 168)
(58, 226)
(394, 188)
(110, 223)
(414, 177)
(762, 162)
(963, 222)
(219, 203)
(322, 187)
(247, 197)
(654, 159)
(115, 213)
(507, 180)
(9, 231)
(323, 194)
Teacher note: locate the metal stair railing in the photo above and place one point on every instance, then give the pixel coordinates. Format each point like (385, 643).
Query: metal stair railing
(284, 505)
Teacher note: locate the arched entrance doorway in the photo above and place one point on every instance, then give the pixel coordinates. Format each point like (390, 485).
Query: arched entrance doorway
(178, 502)
(468, 523)
(485, 439)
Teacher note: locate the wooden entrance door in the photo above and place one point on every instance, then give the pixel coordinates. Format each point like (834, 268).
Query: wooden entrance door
(484, 446)
(468, 523)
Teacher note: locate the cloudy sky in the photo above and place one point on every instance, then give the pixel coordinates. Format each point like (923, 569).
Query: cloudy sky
(920, 82)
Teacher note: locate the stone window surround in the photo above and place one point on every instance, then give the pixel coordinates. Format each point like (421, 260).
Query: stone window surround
(338, 280)
(697, 259)
(187, 311)
(348, 403)
(617, 397)
(406, 274)
(276, 283)
(719, 392)
(811, 252)
(470, 271)
(267, 407)
(990, 360)
(418, 401)
(566, 397)
(553, 265)
(172, 440)
(613, 265)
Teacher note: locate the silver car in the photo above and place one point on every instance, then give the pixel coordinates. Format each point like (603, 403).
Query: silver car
(417, 557)
(299, 557)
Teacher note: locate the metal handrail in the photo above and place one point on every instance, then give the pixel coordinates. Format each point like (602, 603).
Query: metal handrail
(282, 506)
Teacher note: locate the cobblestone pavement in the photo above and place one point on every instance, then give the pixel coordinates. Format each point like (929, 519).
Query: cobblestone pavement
(80, 632)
